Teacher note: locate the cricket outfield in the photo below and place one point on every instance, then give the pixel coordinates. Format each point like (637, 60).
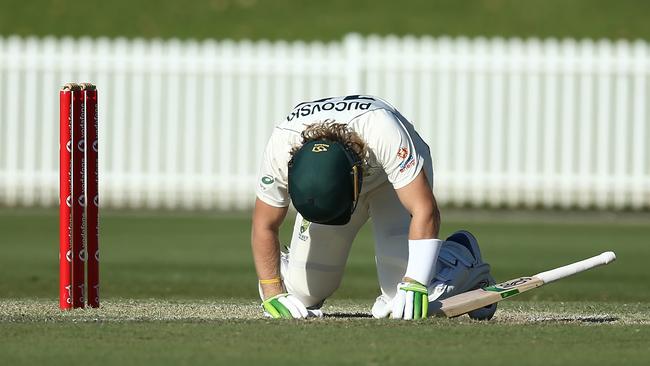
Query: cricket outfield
(180, 289)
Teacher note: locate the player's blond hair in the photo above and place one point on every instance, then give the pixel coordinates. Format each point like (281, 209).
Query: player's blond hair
(335, 132)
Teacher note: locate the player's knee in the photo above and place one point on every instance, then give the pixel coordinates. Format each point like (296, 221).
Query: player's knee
(311, 290)
(310, 301)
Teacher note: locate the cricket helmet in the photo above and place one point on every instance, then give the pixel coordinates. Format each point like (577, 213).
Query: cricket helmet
(325, 181)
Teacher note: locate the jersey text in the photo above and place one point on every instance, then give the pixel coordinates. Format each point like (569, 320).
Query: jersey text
(309, 109)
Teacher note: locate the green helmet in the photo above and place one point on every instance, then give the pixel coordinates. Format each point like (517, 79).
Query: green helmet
(325, 181)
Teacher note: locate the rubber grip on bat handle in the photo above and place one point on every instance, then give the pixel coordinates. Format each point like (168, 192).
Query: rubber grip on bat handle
(573, 268)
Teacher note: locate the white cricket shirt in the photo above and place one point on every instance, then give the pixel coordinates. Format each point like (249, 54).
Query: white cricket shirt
(397, 152)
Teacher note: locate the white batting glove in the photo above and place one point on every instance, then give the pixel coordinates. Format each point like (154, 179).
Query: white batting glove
(411, 301)
(285, 306)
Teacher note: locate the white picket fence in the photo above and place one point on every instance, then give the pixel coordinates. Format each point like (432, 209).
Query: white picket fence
(183, 124)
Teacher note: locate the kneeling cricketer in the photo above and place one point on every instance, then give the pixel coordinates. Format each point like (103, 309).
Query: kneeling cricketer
(341, 161)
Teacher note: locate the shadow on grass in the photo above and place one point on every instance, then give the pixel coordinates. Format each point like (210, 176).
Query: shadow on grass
(347, 315)
(581, 319)
(567, 319)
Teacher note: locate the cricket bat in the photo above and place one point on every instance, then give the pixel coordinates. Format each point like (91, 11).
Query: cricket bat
(475, 299)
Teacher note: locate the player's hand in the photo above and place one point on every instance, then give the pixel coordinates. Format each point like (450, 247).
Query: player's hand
(285, 306)
(411, 301)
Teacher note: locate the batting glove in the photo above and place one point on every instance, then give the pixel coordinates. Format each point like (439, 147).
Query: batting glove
(285, 306)
(411, 301)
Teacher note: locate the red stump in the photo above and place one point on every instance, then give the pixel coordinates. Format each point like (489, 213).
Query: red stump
(79, 198)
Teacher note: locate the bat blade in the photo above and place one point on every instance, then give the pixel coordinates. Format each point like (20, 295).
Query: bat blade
(476, 299)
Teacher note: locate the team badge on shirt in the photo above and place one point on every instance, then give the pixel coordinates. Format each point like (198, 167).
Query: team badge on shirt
(304, 226)
(266, 182)
(267, 179)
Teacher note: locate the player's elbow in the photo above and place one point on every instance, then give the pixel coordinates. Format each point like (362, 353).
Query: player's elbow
(436, 217)
(426, 209)
(423, 212)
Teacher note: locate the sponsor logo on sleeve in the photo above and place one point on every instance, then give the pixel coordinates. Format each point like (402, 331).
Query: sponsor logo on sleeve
(407, 164)
(408, 160)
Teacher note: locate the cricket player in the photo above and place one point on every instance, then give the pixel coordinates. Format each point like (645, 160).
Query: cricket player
(341, 161)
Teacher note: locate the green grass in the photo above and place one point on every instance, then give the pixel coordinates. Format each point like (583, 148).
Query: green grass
(202, 256)
(151, 332)
(359, 342)
(180, 289)
(314, 20)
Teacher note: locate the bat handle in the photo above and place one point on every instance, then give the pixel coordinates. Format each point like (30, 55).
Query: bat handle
(573, 268)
